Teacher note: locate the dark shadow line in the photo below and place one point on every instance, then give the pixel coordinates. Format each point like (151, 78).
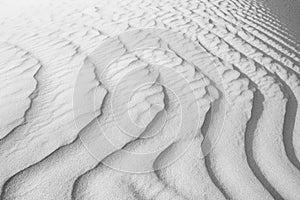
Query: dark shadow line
(289, 124)
(256, 113)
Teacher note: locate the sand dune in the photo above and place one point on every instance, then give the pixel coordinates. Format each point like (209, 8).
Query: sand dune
(147, 99)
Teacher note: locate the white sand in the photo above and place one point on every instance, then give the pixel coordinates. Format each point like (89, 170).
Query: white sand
(149, 100)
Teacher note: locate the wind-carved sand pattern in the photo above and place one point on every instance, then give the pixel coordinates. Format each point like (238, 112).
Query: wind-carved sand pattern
(18, 84)
(148, 100)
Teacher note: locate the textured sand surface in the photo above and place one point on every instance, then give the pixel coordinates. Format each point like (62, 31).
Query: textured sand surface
(207, 90)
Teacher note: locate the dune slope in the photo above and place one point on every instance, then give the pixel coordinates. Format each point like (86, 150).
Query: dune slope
(143, 99)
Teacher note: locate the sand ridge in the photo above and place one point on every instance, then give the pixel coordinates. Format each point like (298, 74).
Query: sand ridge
(239, 61)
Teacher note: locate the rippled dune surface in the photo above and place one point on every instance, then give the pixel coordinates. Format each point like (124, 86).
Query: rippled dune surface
(143, 99)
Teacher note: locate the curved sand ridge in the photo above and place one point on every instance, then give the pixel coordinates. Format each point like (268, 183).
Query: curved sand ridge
(18, 86)
(256, 151)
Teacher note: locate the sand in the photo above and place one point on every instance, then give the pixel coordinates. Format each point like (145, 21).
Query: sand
(149, 100)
